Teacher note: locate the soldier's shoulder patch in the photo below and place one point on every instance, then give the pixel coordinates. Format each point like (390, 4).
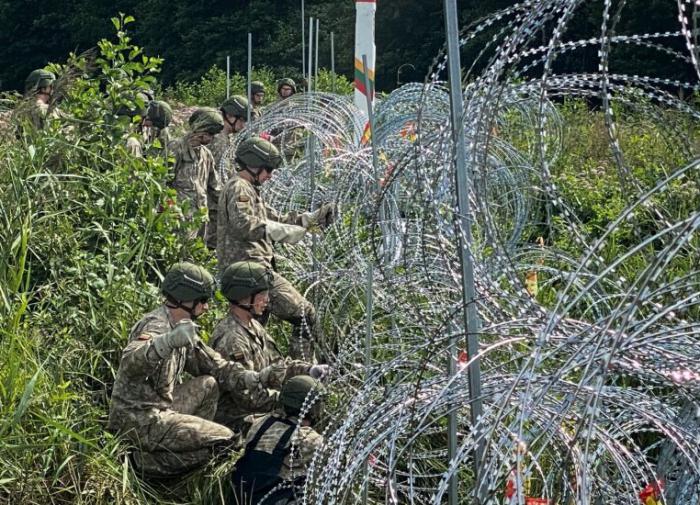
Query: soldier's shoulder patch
(144, 336)
(243, 198)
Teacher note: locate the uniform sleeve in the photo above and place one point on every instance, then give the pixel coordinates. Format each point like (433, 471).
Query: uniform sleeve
(245, 224)
(287, 218)
(133, 146)
(203, 360)
(139, 357)
(213, 185)
(296, 367)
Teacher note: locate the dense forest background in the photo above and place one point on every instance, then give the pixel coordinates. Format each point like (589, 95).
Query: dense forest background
(194, 35)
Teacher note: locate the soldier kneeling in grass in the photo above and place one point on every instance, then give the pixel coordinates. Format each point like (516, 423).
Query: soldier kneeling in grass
(169, 421)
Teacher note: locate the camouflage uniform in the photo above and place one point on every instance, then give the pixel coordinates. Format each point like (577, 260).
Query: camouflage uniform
(32, 115)
(169, 421)
(255, 349)
(304, 443)
(256, 112)
(197, 181)
(140, 142)
(242, 237)
(219, 146)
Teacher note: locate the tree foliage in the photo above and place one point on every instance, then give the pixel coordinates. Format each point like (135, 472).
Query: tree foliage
(194, 36)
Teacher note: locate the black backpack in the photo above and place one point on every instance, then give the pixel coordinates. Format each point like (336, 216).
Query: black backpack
(256, 477)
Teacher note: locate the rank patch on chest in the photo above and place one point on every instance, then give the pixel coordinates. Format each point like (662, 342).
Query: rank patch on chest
(243, 199)
(144, 336)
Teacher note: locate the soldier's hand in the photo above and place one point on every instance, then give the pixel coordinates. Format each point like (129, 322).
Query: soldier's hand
(183, 335)
(272, 376)
(319, 372)
(321, 217)
(251, 380)
(284, 233)
(326, 214)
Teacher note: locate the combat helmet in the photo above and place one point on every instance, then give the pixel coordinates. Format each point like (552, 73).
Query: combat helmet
(257, 153)
(236, 106)
(160, 113)
(244, 279)
(206, 120)
(302, 391)
(286, 82)
(38, 79)
(186, 282)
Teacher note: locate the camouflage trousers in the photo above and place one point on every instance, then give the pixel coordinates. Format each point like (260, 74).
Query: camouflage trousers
(289, 305)
(182, 438)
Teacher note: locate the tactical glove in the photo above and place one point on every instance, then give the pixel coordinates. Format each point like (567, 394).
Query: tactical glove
(319, 372)
(183, 335)
(284, 233)
(321, 217)
(273, 376)
(251, 380)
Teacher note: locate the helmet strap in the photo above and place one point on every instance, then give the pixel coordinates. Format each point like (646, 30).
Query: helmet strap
(256, 180)
(177, 304)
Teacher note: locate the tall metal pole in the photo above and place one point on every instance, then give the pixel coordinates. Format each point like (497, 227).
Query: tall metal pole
(228, 76)
(369, 309)
(303, 40)
(333, 62)
(310, 60)
(316, 51)
(453, 489)
(250, 71)
(463, 184)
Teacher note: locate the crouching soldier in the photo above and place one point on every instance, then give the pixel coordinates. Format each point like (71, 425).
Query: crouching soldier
(240, 337)
(167, 420)
(280, 447)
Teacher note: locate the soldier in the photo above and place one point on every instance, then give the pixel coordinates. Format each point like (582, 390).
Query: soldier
(257, 96)
(240, 337)
(170, 422)
(247, 227)
(234, 112)
(285, 88)
(280, 447)
(38, 89)
(153, 126)
(195, 177)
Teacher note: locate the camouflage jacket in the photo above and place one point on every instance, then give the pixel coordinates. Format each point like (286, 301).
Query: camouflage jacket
(145, 381)
(223, 158)
(138, 142)
(304, 443)
(195, 177)
(254, 348)
(241, 224)
(32, 115)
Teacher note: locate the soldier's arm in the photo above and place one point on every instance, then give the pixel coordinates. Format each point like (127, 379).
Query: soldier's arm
(292, 217)
(246, 224)
(213, 185)
(296, 367)
(203, 360)
(140, 357)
